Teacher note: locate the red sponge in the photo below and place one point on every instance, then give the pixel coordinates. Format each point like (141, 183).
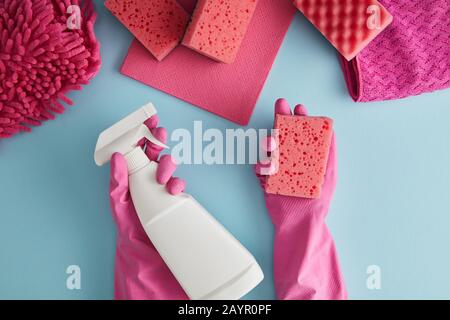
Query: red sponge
(158, 24)
(303, 145)
(218, 28)
(350, 25)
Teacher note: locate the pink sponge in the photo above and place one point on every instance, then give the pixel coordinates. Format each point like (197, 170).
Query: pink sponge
(44, 53)
(303, 145)
(350, 25)
(218, 28)
(158, 24)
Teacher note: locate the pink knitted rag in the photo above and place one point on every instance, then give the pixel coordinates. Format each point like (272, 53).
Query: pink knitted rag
(47, 48)
(412, 56)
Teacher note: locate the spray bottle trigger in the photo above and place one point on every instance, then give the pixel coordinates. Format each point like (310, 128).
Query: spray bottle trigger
(145, 132)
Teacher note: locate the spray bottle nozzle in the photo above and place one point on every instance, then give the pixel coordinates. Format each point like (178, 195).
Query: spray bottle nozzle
(123, 136)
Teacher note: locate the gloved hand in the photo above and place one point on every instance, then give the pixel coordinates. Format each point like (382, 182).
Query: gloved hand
(140, 272)
(305, 259)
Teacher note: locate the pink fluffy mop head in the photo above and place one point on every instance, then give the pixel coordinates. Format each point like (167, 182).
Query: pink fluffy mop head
(47, 48)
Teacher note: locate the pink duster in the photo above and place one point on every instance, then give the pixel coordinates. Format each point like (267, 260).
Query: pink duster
(47, 48)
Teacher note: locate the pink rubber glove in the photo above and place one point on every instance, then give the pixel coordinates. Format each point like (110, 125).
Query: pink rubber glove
(140, 272)
(306, 265)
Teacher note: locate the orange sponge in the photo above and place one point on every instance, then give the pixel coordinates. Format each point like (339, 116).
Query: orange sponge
(218, 28)
(350, 25)
(303, 146)
(158, 24)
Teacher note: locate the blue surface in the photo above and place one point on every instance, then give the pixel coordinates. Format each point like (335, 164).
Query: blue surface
(391, 207)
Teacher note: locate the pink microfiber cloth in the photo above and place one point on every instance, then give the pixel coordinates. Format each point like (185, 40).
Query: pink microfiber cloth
(411, 56)
(230, 91)
(47, 48)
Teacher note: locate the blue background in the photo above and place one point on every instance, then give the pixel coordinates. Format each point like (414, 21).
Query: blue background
(391, 207)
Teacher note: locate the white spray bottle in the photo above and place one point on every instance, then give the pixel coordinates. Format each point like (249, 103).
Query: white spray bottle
(207, 261)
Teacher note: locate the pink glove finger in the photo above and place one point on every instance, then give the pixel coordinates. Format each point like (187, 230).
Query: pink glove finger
(152, 122)
(269, 144)
(282, 107)
(153, 150)
(175, 186)
(166, 168)
(300, 110)
(266, 167)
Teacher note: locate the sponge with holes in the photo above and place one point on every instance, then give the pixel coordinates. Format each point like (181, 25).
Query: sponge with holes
(303, 148)
(349, 25)
(158, 24)
(218, 28)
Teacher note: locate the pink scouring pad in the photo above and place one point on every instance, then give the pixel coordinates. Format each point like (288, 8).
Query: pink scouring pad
(218, 28)
(303, 146)
(44, 53)
(350, 25)
(158, 24)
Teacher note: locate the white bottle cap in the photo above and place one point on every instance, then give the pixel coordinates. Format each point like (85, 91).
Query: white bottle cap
(136, 159)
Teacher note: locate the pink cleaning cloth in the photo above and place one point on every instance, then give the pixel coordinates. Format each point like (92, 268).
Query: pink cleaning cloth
(306, 265)
(230, 91)
(411, 56)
